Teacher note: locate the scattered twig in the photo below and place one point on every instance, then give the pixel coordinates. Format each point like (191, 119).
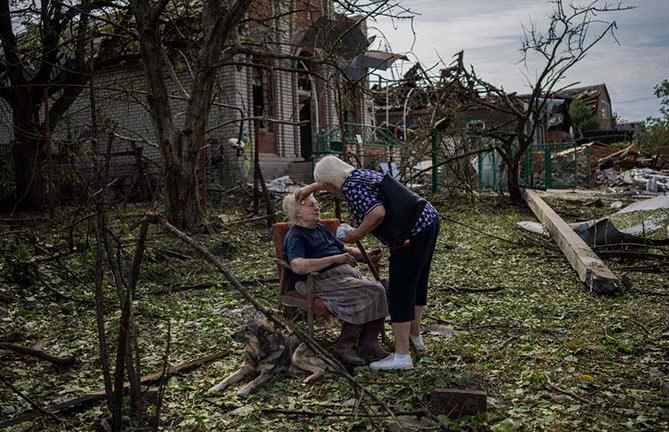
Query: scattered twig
(90, 398)
(325, 355)
(204, 285)
(641, 325)
(506, 343)
(32, 403)
(163, 378)
(4, 298)
(309, 413)
(247, 220)
(13, 232)
(546, 246)
(59, 361)
(473, 290)
(55, 257)
(652, 293)
(173, 254)
(567, 392)
(59, 294)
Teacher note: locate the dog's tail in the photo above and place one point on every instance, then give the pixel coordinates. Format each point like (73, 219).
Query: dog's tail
(302, 360)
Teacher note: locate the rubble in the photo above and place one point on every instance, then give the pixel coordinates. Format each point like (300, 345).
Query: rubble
(627, 170)
(281, 185)
(643, 222)
(635, 180)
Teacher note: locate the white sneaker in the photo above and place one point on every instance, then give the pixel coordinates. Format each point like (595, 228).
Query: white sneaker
(393, 362)
(417, 343)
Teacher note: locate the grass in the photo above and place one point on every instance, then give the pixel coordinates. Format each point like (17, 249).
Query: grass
(551, 356)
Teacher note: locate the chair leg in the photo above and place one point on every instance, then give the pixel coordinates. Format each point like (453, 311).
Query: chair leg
(310, 306)
(310, 323)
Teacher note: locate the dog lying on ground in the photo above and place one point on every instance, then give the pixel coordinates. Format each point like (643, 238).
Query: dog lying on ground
(268, 352)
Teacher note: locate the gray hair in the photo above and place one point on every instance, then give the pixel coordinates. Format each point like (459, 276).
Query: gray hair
(290, 207)
(331, 170)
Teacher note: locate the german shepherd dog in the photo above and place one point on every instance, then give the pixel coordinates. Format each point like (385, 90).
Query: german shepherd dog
(269, 352)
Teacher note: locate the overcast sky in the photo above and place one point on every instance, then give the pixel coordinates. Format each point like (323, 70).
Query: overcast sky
(489, 31)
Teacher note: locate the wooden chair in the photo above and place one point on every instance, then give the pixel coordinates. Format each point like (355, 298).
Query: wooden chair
(313, 306)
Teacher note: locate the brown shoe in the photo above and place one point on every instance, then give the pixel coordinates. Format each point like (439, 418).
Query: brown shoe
(369, 340)
(343, 348)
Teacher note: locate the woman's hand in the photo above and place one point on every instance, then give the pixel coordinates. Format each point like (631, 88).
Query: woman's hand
(302, 193)
(373, 219)
(345, 258)
(342, 230)
(375, 256)
(350, 236)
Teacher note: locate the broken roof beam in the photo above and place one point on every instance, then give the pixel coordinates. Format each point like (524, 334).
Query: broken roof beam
(591, 270)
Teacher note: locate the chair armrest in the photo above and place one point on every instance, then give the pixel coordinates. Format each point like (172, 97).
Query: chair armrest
(282, 263)
(285, 265)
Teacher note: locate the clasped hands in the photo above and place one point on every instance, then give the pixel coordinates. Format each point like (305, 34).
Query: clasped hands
(352, 257)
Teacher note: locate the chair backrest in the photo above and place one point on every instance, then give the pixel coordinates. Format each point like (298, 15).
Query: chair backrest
(280, 229)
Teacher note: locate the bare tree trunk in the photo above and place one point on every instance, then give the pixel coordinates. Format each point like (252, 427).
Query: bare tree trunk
(183, 204)
(27, 157)
(181, 146)
(512, 181)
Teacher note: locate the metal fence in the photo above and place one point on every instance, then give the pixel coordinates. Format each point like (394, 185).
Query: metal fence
(365, 145)
(554, 166)
(543, 165)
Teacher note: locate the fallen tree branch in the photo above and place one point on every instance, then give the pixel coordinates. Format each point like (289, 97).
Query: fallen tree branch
(32, 403)
(204, 285)
(309, 413)
(309, 341)
(60, 361)
(245, 221)
(88, 399)
(532, 241)
(163, 377)
(473, 290)
(567, 392)
(652, 293)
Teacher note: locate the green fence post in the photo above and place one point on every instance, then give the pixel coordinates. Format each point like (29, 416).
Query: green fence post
(576, 176)
(495, 167)
(479, 160)
(548, 164)
(435, 169)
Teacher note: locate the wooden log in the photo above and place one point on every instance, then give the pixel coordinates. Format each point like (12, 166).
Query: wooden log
(90, 398)
(59, 361)
(456, 403)
(591, 270)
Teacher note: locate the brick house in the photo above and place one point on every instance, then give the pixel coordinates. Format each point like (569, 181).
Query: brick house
(289, 108)
(597, 98)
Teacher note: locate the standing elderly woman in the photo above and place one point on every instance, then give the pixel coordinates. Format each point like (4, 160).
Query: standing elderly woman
(410, 261)
(358, 302)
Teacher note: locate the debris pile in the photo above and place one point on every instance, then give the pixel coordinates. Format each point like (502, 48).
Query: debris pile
(635, 180)
(643, 222)
(627, 170)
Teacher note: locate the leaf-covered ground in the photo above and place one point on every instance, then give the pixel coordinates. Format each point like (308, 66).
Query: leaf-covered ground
(551, 356)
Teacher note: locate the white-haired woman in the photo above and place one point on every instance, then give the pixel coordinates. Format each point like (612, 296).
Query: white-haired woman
(359, 303)
(410, 261)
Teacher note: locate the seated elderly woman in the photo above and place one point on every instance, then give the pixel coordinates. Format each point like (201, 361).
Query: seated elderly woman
(360, 303)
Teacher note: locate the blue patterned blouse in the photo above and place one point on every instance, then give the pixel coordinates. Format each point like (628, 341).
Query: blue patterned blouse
(360, 190)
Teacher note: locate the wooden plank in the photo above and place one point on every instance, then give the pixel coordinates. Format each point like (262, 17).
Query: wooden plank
(591, 270)
(456, 403)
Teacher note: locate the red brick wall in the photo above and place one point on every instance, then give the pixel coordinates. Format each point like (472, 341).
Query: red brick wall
(310, 14)
(266, 142)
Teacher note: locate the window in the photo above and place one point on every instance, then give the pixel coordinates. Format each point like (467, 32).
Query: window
(258, 98)
(262, 95)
